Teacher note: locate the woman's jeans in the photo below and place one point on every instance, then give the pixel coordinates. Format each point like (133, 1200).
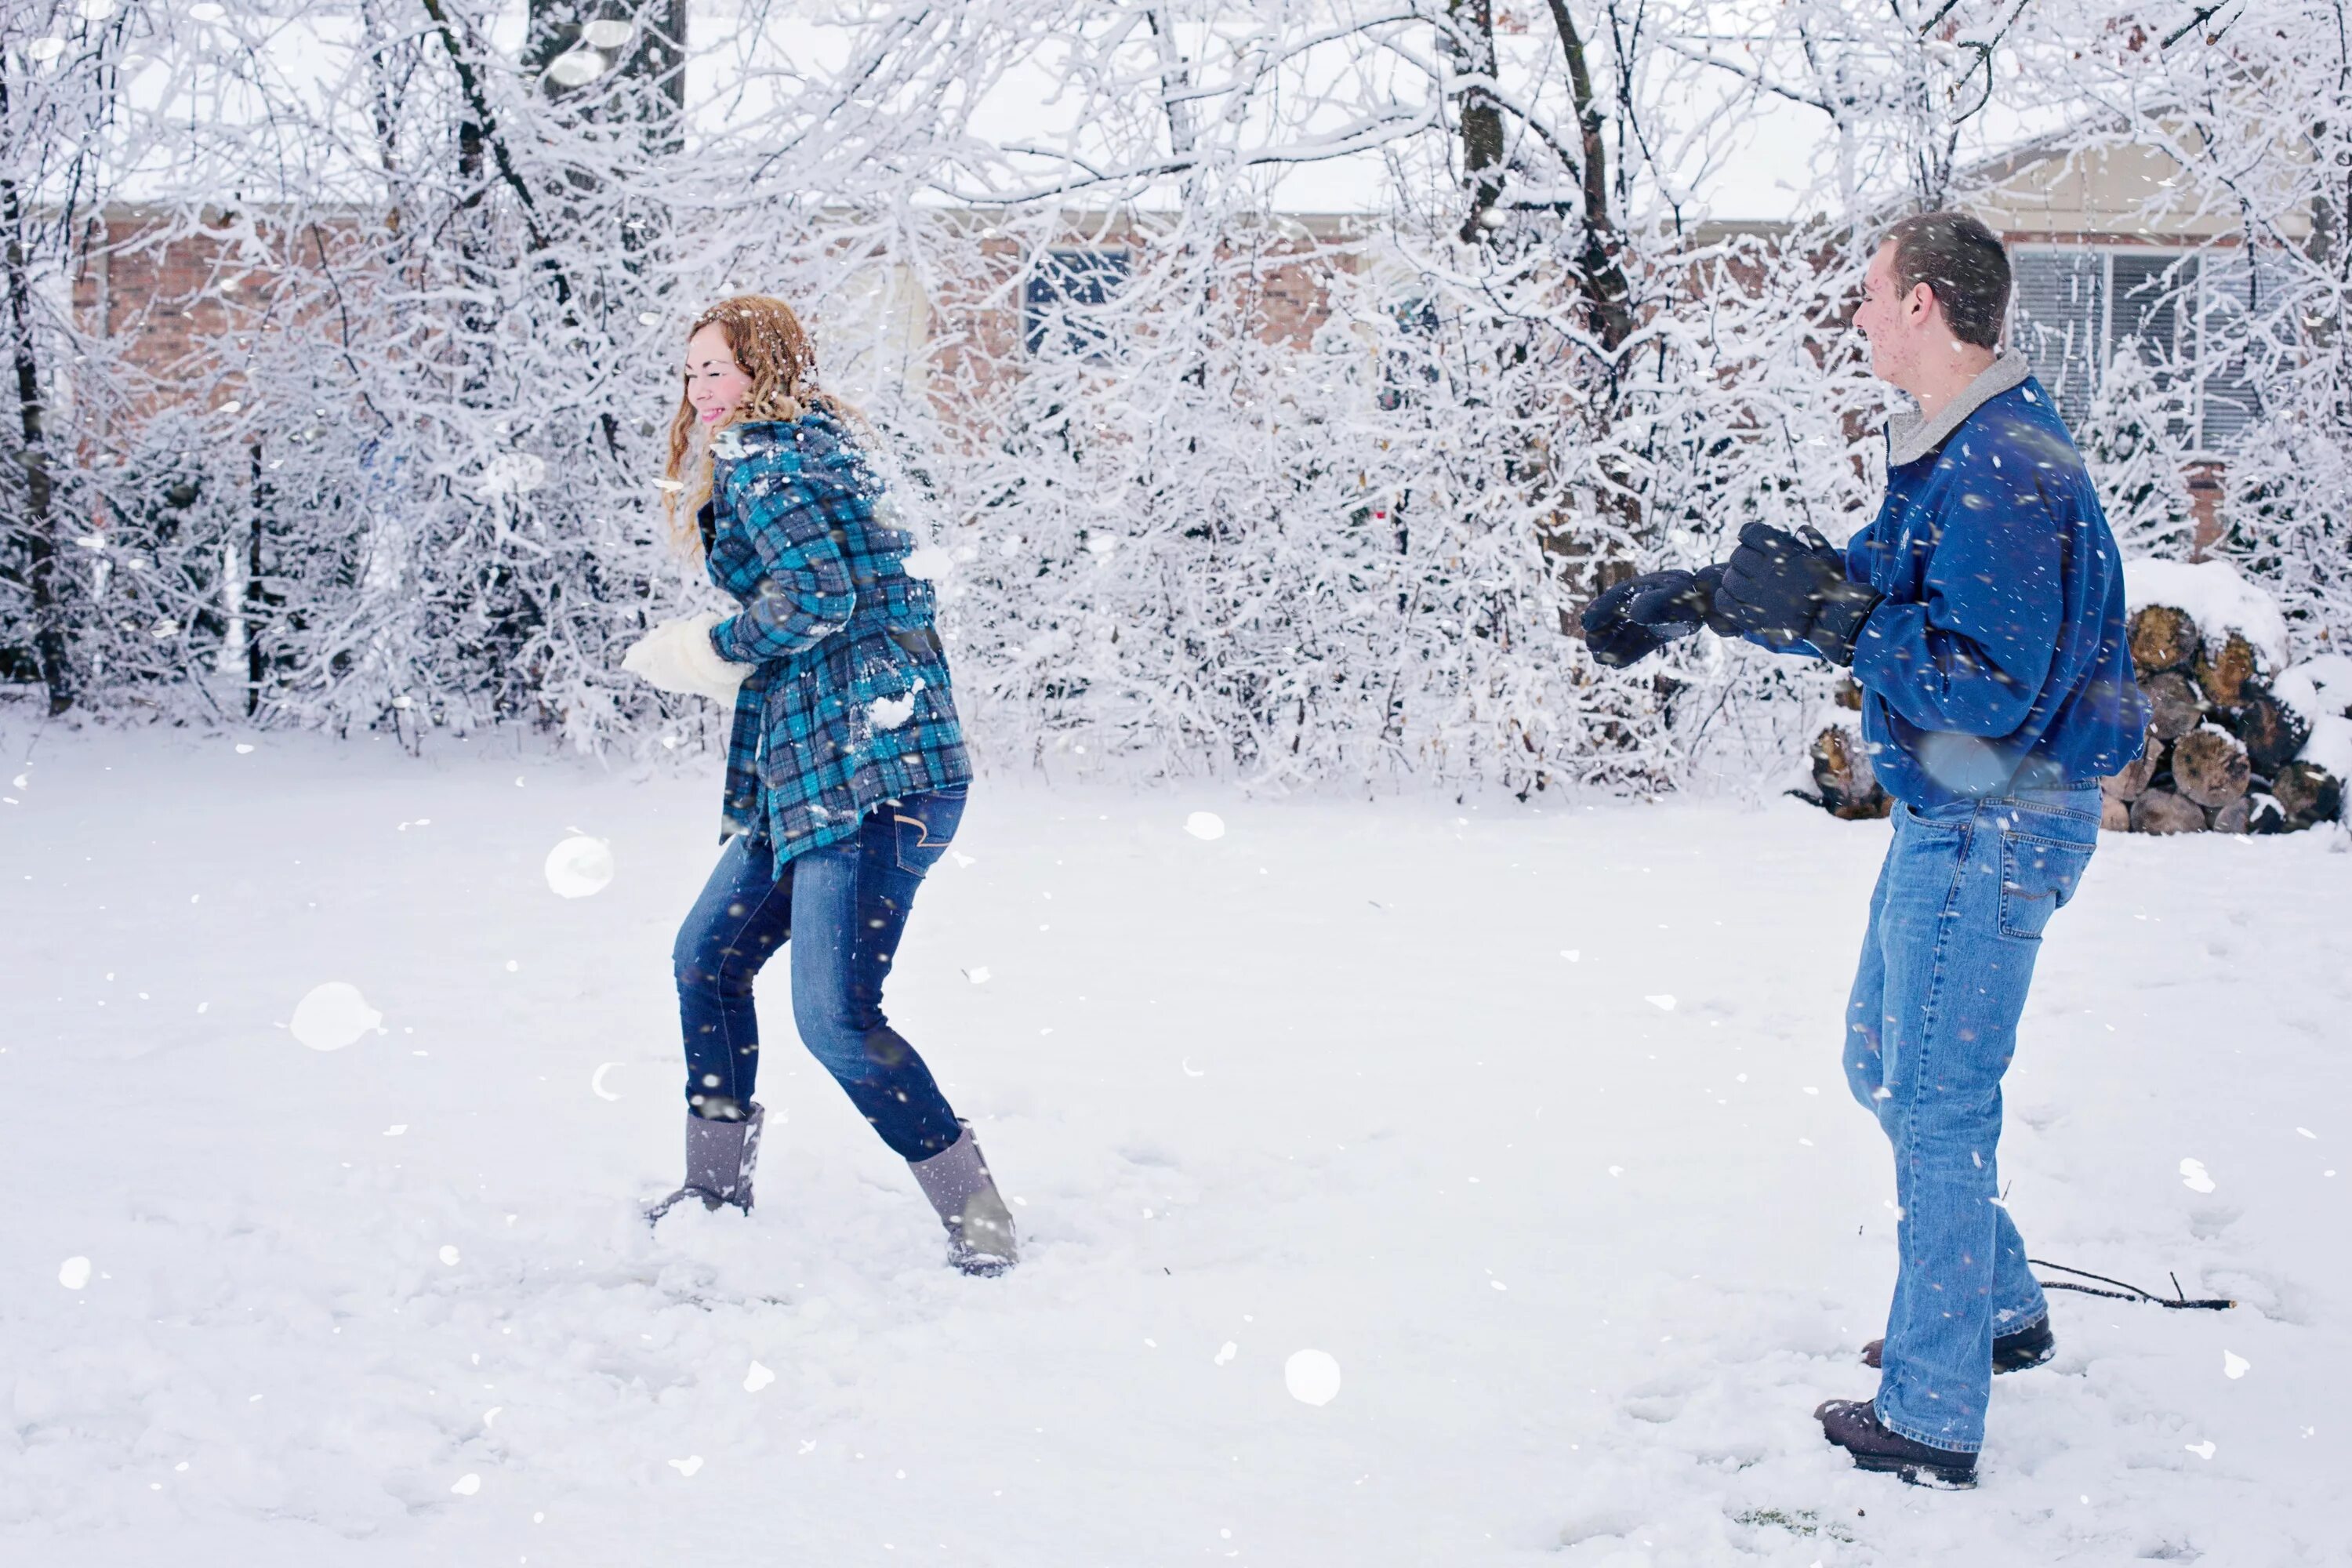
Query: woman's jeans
(843, 907)
(1955, 925)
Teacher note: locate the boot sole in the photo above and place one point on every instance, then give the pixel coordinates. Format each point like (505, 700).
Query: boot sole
(1937, 1477)
(1913, 1472)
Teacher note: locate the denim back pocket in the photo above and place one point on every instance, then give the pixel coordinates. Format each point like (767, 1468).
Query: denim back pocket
(2037, 876)
(923, 826)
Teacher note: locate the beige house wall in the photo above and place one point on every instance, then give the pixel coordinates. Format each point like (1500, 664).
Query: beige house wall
(2129, 195)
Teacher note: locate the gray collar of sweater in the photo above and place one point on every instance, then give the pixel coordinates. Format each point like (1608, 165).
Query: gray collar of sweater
(1910, 437)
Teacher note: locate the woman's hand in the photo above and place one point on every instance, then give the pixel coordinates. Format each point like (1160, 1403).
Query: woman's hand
(676, 656)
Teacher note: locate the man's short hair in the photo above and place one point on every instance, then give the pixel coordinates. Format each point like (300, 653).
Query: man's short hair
(1963, 262)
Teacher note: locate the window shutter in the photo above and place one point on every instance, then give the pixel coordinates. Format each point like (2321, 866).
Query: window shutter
(2056, 309)
(2244, 331)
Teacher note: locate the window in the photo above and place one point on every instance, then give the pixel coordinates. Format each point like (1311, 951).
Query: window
(2059, 300)
(1061, 306)
(2073, 311)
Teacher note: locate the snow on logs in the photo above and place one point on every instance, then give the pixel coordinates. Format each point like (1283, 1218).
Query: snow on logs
(2237, 742)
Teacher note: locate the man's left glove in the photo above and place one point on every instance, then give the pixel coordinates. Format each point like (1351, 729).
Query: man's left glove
(676, 656)
(1789, 588)
(1638, 617)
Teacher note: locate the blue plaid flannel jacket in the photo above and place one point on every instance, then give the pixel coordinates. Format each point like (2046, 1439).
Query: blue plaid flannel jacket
(848, 703)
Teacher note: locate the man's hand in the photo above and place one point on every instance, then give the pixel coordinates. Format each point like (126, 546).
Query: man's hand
(1787, 588)
(1638, 617)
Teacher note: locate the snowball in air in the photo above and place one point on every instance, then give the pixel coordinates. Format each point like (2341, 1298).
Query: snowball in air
(467, 1485)
(576, 68)
(686, 1465)
(1664, 1003)
(580, 867)
(1312, 1377)
(74, 1273)
(2194, 1177)
(2235, 1364)
(1205, 825)
(930, 563)
(758, 1378)
(332, 1016)
(608, 33)
(449, 1256)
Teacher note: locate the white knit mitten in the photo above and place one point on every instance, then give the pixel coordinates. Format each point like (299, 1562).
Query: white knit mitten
(676, 656)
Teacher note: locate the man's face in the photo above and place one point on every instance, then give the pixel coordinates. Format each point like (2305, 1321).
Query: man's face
(1895, 324)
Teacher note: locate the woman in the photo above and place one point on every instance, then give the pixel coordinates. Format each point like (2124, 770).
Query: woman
(845, 770)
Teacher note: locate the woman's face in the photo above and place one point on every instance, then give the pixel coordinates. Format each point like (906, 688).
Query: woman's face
(715, 383)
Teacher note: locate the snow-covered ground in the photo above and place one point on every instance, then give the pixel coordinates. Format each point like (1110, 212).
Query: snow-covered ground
(1530, 1119)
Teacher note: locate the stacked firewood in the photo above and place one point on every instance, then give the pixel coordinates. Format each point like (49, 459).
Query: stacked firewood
(1844, 783)
(2224, 752)
(2234, 744)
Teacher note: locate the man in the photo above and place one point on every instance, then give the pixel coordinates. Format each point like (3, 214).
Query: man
(1982, 614)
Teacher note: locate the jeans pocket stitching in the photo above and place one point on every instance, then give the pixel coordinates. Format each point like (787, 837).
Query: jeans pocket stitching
(915, 859)
(2013, 890)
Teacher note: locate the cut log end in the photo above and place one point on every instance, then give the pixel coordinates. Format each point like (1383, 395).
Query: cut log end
(2132, 782)
(2307, 795)
(2174, 706)
(2272, 732)
(2209, 767)
(2162, 639)
(2224, 672)
(1847, 786)
(2162, 811)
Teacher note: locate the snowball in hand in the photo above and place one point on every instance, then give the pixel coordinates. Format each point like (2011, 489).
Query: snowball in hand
(1312, 1377)
(1205, 825)
(580, 867)
(332, 1016)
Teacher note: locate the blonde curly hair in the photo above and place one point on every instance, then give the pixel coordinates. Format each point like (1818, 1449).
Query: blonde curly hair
(771, 347)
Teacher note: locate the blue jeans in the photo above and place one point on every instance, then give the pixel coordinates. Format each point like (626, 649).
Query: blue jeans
(843, 908)
(1954, 925)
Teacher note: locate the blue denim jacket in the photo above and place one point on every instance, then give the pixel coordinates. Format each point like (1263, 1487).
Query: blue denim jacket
(1999, 656)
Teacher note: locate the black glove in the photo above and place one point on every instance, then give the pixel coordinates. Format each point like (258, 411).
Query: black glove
(1789, 588)
(1638, 617)
(1679, 602)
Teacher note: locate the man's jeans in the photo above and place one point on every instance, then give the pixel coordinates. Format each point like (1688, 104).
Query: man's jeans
(843, 907)
(1955, 925)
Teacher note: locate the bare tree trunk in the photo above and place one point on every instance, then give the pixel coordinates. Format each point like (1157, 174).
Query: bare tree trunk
(40, 501)
(1607, 296)
(255, 591)
(1588, 565)
(1472, 40)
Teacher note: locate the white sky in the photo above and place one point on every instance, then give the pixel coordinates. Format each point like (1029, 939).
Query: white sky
(1745, 158)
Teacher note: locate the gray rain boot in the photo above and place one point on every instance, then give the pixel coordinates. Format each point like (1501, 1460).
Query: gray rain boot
(980, 1228)
(719, 1160)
